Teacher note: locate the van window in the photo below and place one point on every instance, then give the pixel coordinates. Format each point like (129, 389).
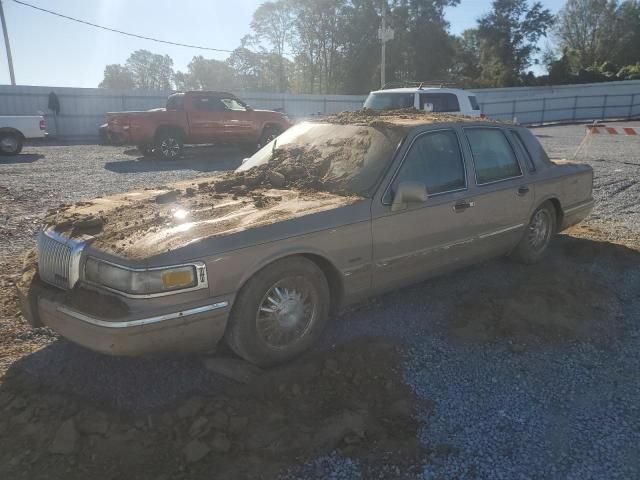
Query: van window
(389, 101)
(442, 102)
(435, 160)
(493, 156)
(474, 102)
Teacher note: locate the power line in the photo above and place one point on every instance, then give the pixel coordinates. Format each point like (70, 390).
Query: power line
(120, 31)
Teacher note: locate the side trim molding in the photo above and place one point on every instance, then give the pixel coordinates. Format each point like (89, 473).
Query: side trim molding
(143, 321)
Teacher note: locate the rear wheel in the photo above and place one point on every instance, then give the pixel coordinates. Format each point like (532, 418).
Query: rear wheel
(10, 143)
(537, 236)
(280, 312)
(169, 145)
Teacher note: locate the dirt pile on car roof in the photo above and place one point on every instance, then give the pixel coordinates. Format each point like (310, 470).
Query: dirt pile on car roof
(401, 118)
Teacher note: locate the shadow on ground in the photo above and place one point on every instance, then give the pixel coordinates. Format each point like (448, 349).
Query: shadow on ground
(202, 159)
(22, 158)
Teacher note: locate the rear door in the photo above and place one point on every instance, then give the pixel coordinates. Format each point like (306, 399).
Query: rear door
(430, 237)
(502, 196)
(206, 118)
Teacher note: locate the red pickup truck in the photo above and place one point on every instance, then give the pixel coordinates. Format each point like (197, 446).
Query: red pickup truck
(196, 117)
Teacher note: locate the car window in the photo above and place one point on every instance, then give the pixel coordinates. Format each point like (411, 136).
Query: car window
(525, 153)
(389, 101)
(441, 102)
(208, 104)
(493, 156)
(233, 104)
(474, 102)
(435, 160)
(176, 102)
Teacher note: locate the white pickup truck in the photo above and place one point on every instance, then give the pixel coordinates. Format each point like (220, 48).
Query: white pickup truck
(14, 130)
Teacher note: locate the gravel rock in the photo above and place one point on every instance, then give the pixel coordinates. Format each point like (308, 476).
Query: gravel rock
(221, 443)
(191, 407)
(92, 422)
(195, 451)
(64, 441)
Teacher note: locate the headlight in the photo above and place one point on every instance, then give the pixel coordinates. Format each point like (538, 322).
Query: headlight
(153, 281)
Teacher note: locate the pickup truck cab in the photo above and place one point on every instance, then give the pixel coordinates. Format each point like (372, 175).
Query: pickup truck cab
(14, 130)
(333, 212)
(195, 118)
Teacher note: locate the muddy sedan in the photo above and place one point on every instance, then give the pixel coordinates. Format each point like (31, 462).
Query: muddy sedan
(326, 215)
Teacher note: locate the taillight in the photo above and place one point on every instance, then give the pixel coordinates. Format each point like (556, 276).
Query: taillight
(483, 116)
(43, 126)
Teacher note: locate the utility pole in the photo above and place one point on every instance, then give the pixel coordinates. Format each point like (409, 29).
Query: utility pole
(384, 34)
(6, 44)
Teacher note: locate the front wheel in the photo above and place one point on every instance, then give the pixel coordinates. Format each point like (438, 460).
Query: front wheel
(280, 312)
(10, 144)
(537, 236)
(169, 145)
(268, 135)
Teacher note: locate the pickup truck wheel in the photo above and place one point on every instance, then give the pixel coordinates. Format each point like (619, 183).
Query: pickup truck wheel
(169, 146)
(537, 236)
(10, 144)
(280, 312)
(268, 134)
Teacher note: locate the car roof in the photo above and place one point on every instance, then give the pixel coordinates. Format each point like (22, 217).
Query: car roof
(424, 90)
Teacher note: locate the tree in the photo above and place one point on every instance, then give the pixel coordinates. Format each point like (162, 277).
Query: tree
(274, 22)
(206, 74)
(117, 77)
(466, 68)
(151, 71)
(508, 38)
(588, 28)
(629, 33)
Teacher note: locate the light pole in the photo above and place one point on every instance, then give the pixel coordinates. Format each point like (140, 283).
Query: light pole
(6, 44)
(384, 34)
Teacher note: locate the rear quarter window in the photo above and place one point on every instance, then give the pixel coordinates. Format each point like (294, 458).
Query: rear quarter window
(520, 146)
(474, 102)
(441, 102)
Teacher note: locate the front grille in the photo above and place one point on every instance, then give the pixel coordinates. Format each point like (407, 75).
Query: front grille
(58, 260)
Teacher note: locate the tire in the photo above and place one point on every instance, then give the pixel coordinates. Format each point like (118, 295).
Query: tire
(169, 145)
(270, 322)
(536, 239)
(145, 150)
(268, 134)
(10, 143)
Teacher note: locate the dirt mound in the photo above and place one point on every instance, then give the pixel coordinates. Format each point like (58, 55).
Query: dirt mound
(552, 301)
(349, 400)
(405, 117)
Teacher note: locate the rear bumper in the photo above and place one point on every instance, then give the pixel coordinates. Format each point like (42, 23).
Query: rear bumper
(193, 329)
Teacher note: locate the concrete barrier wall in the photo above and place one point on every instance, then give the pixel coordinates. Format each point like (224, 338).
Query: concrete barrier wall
(83, 109)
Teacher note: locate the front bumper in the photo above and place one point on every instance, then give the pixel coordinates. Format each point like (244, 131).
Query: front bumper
(193, 329)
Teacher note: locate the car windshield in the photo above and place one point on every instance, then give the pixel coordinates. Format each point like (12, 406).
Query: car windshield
(346, 159)
(389, 101)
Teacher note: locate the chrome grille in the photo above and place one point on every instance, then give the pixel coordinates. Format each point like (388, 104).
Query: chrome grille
(58, 259)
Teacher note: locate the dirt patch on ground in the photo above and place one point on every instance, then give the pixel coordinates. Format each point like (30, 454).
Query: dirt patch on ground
(561, 299)
(350, 400)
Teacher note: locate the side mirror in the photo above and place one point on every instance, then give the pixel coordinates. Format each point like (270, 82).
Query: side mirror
(248, 108)
(408, 192)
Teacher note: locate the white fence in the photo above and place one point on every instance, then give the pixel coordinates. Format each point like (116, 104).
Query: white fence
(83, 109)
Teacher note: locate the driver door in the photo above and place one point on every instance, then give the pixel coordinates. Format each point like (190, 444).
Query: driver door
(424, 238)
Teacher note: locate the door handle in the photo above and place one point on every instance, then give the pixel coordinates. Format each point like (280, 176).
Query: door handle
(523, 190)
(462, 206)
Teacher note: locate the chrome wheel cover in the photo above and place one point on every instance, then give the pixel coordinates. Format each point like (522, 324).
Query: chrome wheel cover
(170, 147)
(9, 144)
(539, 231)
(287, 311)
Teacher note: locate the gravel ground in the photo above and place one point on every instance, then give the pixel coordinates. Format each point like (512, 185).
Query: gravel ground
(540, 399)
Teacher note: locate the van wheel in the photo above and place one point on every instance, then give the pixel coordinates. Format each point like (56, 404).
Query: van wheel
(280, 312)
(537, 236)
(10, 143)
(169, 145)
(268, 135)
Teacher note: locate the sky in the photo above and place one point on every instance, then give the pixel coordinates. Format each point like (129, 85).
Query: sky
(52, 51)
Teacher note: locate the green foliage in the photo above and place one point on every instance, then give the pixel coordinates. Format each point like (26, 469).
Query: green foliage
(117, 77)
